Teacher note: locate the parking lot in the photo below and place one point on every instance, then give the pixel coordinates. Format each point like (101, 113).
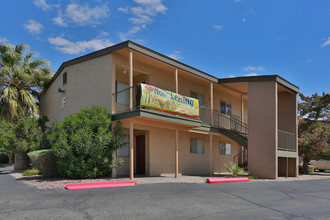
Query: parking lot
(308, 199)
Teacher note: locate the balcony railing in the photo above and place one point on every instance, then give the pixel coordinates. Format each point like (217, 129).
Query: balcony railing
(286, 141)
(122, 99)
(221, 120)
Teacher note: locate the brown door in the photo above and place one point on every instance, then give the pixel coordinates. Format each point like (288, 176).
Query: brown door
(140, 154)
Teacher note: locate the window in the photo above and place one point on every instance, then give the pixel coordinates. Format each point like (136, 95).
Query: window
(225, 108)
(198, 96)
(225, 148)
(65, 78)
(196, 146)
(122, 92)
(124, 151)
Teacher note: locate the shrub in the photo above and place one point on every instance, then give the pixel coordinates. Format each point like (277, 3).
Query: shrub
(84, 142)
(31, 172)
(4, 158)
(235, 170)
(44, 161)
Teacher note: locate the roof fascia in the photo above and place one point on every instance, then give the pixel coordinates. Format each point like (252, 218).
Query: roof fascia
(276, 78)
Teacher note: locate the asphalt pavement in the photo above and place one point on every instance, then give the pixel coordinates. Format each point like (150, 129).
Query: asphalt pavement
(308, 199)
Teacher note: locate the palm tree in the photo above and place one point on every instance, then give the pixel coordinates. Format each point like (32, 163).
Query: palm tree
(21, 81)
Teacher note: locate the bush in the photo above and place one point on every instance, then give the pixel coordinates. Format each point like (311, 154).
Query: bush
(4, 158)
(235, 170)
(84, 142)
(31, 172)
(302, 170)
(44, 161)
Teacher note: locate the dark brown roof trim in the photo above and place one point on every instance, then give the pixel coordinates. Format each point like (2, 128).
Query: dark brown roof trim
(84, 58)
(263, 78)
(170, 61)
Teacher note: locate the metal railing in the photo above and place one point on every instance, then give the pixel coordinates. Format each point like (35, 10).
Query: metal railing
(286, 141)
(122, 99)
(221, 120)
(241, 159)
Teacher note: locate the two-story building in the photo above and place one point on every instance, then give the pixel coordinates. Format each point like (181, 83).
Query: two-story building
(181, 120)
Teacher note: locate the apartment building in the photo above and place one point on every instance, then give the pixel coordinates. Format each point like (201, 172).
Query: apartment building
(180, 120)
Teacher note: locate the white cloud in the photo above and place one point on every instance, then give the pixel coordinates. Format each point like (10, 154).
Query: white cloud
(130, 33)
(142, 15)
(103, 34)
(231, 76)
(3, 40)
(125, 10)
(251, 74)
(238, 1)
(326, 43)
(176, 55)
(309, 61)
(84, 15)
(59, 20)
(33, 26)
(41, 4)
(253, 68)
(69, 47)
(244, 20)
(218, 27)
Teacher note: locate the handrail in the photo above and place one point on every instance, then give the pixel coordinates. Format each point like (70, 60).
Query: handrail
(241, 158)
(223, 121)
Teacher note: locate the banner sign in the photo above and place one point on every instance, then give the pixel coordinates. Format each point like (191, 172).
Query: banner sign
(168, 101)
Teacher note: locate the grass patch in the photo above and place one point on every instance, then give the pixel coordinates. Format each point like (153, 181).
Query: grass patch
(31, 172)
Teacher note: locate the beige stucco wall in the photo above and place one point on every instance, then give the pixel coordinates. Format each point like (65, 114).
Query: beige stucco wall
(88, 83)
(160, 153)
(165, 79)
(262, 141)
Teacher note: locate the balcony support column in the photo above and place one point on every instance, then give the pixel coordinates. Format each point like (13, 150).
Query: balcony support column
(176, 81)
(211, 103)
(176, 153)
(242, 108)
(131, 151)
(210, 155)
(130, 80)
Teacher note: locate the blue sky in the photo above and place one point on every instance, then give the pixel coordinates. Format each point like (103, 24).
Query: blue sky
(225, 38)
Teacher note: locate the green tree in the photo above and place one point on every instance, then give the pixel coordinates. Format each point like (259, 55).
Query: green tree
(21, 138)
(83, 144)
(21, 81)
(314, 130)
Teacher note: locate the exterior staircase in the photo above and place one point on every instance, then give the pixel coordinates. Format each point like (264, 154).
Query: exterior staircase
(231, 127)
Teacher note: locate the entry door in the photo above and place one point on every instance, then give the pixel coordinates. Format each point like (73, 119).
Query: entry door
(140, 154)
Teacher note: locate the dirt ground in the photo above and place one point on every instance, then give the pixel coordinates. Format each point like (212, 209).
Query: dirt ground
(59, 183)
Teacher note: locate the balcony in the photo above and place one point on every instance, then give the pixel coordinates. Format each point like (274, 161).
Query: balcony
(286, 141)
(228, 125)
(145, 106)
(220, 120)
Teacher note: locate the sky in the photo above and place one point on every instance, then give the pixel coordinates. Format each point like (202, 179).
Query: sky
(224, 38)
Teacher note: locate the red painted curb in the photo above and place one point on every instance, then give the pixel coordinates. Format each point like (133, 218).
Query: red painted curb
(99, 184)
(227, 180)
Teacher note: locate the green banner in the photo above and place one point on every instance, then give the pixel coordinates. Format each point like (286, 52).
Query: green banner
(168, 101)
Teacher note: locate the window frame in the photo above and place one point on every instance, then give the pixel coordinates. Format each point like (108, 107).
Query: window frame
(226, 151)
(200, 97)
(64, 78)
(125, 101)
(199, 143)
(227, 106)
(124, 151)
